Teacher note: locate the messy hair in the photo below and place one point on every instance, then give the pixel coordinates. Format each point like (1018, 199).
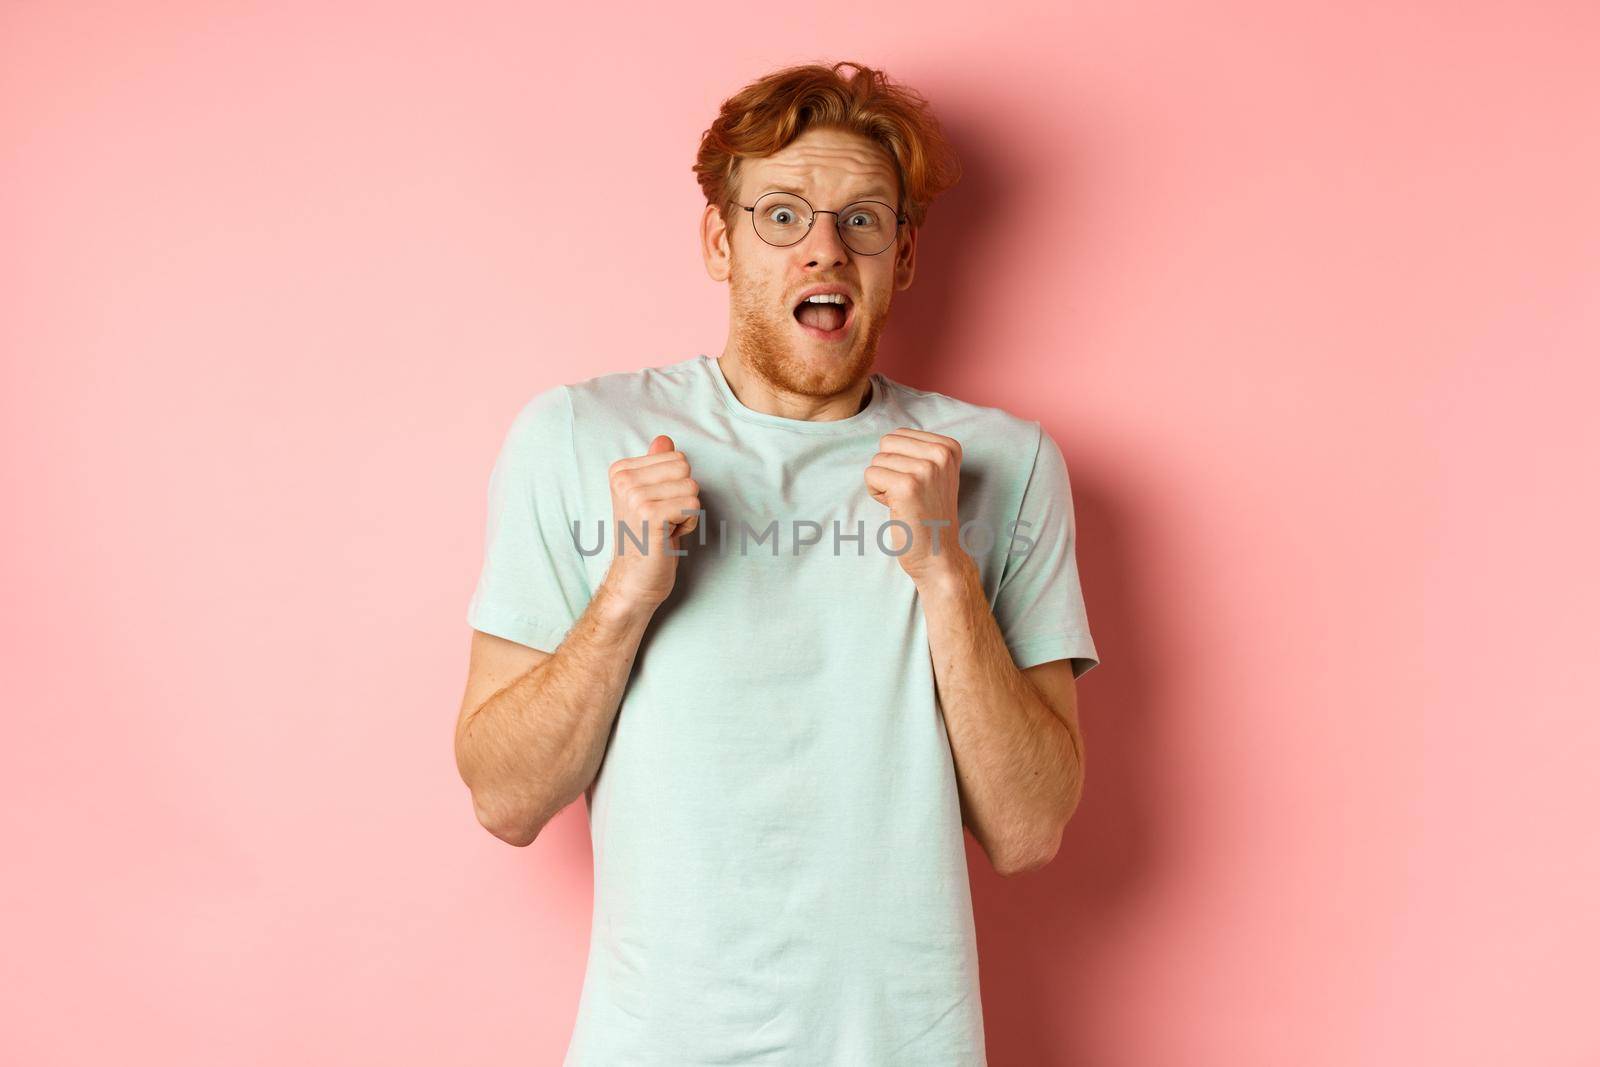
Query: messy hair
(764, 116)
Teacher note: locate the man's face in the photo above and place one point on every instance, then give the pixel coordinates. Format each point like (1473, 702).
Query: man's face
(831, 169)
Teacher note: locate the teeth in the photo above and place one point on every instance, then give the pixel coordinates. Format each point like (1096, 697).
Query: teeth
(824, 298)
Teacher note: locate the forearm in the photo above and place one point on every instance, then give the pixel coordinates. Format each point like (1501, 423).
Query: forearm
(533, 747)
(1018, 765)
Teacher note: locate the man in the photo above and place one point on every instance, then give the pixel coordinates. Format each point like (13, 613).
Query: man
(791, 676)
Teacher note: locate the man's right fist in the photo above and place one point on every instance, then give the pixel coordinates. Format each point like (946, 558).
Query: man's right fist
(649, 495)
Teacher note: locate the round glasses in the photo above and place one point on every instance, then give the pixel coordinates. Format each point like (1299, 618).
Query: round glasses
(867, 227)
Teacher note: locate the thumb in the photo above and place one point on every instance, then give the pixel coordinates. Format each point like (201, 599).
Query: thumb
(661, 443)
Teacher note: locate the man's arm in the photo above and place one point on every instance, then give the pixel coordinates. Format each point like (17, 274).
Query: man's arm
(533, 725)
(1014, 734)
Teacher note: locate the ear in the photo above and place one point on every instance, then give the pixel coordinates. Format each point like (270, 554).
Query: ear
(714, 238)
(905, 257)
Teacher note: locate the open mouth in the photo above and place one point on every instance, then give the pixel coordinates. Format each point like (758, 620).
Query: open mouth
(826, 316)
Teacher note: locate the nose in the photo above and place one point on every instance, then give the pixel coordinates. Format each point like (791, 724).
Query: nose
(823, 243)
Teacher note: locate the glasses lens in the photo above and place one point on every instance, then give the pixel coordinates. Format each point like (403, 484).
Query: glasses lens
(867, 227)
(781, 218)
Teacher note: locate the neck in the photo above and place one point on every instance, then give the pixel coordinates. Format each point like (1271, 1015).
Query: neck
(758, 392)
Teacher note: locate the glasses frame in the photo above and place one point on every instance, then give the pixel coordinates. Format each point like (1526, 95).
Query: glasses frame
(899, 221)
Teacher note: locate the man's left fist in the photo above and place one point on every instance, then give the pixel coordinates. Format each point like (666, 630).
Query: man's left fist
(916, 475)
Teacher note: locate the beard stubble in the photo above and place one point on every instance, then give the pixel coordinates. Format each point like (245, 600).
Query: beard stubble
(772, 347)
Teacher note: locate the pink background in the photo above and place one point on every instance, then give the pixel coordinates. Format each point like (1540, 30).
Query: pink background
(1309, 294)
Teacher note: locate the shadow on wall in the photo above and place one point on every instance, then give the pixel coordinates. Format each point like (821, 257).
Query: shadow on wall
(1049, 940)
(968, 230)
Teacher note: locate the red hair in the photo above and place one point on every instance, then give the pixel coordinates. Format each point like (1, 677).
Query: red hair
(764, 116)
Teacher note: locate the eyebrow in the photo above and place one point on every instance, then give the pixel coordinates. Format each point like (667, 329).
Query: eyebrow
(873, 193)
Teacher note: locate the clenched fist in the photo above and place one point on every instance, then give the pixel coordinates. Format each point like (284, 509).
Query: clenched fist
(916, 475)
(649, 495)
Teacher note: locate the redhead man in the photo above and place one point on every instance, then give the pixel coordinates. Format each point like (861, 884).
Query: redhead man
(786, 625)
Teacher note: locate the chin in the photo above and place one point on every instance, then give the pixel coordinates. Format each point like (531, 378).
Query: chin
(829, 380)
(810, 368)
(793, 359)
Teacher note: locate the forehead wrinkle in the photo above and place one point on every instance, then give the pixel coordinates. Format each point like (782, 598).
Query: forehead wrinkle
(800, 174)
(870, 194)
(791, 181)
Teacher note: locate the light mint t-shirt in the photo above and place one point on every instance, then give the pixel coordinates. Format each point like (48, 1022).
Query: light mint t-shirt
(780, 873)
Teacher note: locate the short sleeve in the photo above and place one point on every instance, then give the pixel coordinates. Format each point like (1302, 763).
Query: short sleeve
(1039, 603)
(533, 585)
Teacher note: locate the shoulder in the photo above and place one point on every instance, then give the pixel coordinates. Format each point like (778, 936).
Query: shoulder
(1003, 454)
(593, 420)
(589, 405)
(981, 429)
(616, 393)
